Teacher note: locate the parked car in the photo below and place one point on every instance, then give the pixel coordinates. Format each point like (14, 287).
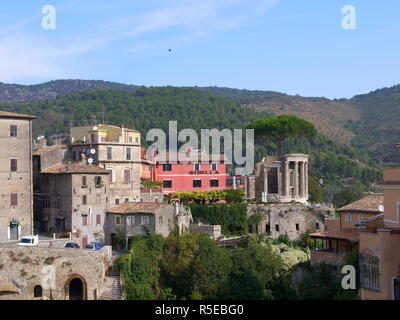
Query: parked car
(72, 245)
(94, 246)
(29, 241)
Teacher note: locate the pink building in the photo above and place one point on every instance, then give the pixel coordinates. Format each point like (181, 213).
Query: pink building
(192, 176)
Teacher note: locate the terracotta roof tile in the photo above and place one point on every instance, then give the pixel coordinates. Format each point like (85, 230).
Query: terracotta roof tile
(369, 204)
(352, 235)
(75, 168)
(43, 150)
(6, 114)
(138, 207)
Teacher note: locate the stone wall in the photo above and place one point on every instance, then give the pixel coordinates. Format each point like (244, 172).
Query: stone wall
(289, 219)
(24, 268)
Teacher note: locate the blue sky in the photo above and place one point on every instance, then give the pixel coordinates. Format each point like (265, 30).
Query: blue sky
(291, 46)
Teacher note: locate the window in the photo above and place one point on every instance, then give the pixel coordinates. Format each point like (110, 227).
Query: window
(167, 167)
(196, 183)
(127, 176)
(37, 292)
(214, 183)
(128, 153)
(84, 199)
(130, 139)
(14, 199)
(167, 183)
(297, 227)
(197, 166)
(84, 181)
(156, 200)
(267, 229)
(145, 220)
(369, 272)
(160, 220)
(98, 182)
(214, 167)
(117, 201)
(277, 227)
(84, 220)
(126, 200)
(98, 219)
(141, 200)
(98, 199)
(92, 137)
(109, 153)
(14, 165)
(398, 211)
(137, 139)
(130, 220)
(348, 218)
(117, 220)
(317, 226)
(13, 131)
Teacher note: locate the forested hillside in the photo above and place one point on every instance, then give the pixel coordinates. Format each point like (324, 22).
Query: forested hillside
(333, 165)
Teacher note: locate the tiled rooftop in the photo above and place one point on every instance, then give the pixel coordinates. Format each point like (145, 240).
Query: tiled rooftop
(138, 207)
(368, 204)
(6, 114)
(75, 168)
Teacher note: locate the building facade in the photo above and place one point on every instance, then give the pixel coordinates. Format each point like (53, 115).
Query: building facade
(115, 149)
(74, 198)
(138, 218)
(16, 202)
(379, 243)
(342, 234)
(282, 179)
(192, 175)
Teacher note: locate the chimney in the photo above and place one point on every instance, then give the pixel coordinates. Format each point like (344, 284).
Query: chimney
(122, 134)
(83, 158)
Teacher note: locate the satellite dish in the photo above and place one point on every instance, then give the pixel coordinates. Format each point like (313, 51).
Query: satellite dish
(92, 151)
(95, 128)
(381, 208)
(90, 160)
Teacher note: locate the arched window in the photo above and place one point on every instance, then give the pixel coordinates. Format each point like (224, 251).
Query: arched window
(38, 292)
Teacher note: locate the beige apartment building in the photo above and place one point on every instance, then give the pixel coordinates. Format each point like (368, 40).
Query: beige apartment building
(16, 201)
(74, 199)
(116, 150)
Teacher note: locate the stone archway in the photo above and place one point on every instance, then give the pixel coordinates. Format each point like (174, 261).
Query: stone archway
(76, 288)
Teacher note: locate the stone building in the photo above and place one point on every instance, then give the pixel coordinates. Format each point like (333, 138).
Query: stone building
(286, 219)
(34, 273)
(282, 179)
(214, 231)
(137, 218)
(74, 197)
(115, 149)
(16, 201)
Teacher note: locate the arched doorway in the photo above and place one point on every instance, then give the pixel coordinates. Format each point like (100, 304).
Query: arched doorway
(76, 288)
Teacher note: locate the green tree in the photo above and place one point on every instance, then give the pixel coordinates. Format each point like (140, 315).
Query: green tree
(276, 129)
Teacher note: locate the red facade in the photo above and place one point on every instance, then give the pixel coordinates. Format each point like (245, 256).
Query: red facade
(192, 176)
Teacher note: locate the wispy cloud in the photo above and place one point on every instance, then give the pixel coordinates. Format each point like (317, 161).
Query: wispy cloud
(24, 55)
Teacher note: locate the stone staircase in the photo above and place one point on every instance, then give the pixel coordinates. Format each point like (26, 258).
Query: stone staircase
(112, 286)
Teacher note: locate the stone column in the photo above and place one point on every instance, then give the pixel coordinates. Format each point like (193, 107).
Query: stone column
(302, 179)
(296, 178)
(266, 181)
(287, 179)
(279, 180)
(306, 179)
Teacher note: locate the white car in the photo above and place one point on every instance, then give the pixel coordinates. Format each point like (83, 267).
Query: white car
(29, 241)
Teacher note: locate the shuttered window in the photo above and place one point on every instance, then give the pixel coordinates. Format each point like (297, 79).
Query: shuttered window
(13, 131)
(127, 176)
(14, 165)
(14, 199)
